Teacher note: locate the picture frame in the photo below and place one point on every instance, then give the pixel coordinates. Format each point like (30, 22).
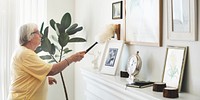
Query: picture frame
(174, 66)
(117, 10)
(182, 20)
(111, 56)
(143, 22)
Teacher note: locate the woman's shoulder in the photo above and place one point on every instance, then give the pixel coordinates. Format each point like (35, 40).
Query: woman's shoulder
(23, 51)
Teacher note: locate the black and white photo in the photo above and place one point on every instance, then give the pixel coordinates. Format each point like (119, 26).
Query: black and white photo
(111, 57)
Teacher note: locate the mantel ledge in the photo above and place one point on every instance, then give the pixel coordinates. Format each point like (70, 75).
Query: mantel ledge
(117, 84)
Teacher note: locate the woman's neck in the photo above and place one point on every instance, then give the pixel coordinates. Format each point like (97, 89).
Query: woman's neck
(30, 46)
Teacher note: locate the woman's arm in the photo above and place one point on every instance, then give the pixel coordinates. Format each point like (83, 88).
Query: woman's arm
(58, 67)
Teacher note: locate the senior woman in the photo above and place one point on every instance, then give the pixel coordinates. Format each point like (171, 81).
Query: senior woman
(28, 71)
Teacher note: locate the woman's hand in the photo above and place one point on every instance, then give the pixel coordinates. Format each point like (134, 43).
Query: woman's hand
(76, 57)
(52, 80)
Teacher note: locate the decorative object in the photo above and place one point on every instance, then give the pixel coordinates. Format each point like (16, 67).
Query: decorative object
(64, 30)
(159, 86)
(109, 32)
(117, 10)
(111, 55)
(143, 23)
(174, 66)
(112, 30)
(117, 31)
(170, 92)
(140, 84)
(134, 66)
(124, 74)
(95, 59)
(182, 20)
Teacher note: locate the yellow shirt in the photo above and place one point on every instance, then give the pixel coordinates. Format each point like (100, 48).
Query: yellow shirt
(28, 76)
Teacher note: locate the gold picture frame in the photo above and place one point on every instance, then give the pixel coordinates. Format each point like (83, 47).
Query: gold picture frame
(174, 66)
(143, 22)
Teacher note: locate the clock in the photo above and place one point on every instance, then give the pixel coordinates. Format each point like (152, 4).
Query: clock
(134, 65)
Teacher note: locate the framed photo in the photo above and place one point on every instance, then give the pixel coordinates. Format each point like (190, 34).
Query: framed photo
(143, 22)
(182, 20)
(174, 66)
(117, 10)
(111, 55)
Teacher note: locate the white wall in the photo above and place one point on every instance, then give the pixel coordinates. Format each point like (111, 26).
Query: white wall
(95, 14)
(55, 10)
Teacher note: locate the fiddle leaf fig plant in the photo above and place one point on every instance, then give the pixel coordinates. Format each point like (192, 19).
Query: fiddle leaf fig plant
(64, 30)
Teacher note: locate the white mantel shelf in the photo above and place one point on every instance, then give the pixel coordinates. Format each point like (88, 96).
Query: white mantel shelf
(107, 87)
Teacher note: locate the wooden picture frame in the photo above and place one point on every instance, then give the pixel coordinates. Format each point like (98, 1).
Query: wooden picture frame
(174, 66)
(143, 22)
(117, 10)
(182, 20)
(111, 56)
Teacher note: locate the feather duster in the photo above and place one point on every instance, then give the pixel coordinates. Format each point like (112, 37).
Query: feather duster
(107, 34)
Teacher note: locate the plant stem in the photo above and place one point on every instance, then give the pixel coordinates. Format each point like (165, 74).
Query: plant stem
(65, 90)
(61, 75)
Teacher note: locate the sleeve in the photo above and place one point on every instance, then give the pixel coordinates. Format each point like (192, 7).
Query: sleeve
(35, 66)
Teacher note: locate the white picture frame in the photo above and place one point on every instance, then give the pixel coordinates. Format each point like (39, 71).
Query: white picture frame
(182, 20)
(174, 66)
(111, 56)
(143, 23)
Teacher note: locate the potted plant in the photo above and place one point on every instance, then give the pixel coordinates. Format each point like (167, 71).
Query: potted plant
(64, 30)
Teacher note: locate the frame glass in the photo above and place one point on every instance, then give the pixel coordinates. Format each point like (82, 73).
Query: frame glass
(111, 55)
(143, 22)
(182, 20)
(174, 66)
(117, 10)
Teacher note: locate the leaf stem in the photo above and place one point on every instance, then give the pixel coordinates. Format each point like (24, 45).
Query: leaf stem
(63, 81)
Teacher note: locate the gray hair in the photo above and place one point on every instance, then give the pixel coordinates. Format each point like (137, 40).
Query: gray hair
(25, 32)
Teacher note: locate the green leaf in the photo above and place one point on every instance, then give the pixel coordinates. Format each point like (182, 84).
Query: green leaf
(57, 30)
(51, 61)
(46, 31)
(61, 28)
(66, 20)
(77, 39)
(53, 50)
(73, 26)
(38, 49)
(46, 45)
(41, 29)
(57, 55)
(73, 31)
(52, 24)
(63, 39)
(66, 50)
(46, 57)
